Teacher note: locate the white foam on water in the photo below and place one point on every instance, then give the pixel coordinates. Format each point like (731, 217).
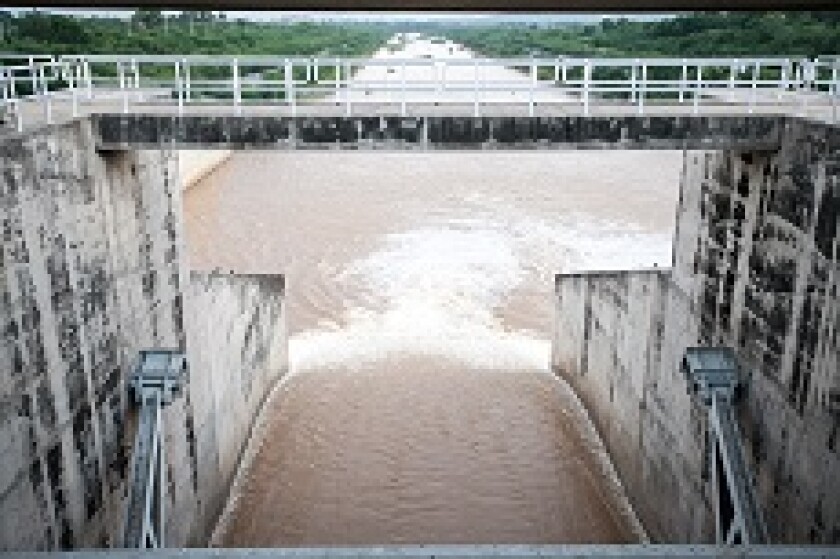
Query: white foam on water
(436, 289)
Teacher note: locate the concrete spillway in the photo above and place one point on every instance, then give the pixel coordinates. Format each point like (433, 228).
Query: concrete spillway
(93, 270)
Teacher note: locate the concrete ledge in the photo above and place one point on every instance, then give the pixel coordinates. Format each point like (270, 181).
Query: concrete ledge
(138, 131)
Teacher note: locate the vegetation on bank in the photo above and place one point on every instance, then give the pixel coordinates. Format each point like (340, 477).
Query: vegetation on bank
(697, 34)
(694, 34)
(148, 32)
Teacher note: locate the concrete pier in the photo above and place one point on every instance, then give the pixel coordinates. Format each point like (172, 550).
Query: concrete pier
(756, 256)
(92, 272)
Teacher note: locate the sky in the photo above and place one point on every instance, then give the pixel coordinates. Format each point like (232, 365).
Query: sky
(378, 16)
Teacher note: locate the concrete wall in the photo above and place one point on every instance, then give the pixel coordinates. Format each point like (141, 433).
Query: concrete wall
(755, 267)
(135, 131)
(237, 348)
(91, 272)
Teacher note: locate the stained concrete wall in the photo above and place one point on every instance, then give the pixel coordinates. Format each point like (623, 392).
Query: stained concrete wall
(237, 348)
(135, 131)
(91, 272)
(755, 267)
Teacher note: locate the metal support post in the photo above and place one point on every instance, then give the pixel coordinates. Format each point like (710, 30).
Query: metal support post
(237, 88)
(179, 87)
(733, 70)
(643, 90)
(402, 86)
(337, 80)
(88, 79)
(135, 70)
(587, 78)
(288, 75)
(33, 76)
(187, 82)
(531, 89)
(156, 380)
(123, 89)
(697, 86)
(348, 90)
(711, 373)
(476, 107)
(834, 92)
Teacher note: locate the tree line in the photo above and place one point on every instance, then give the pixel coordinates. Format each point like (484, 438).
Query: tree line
(150, 32)
(205, 32)
(696, 34)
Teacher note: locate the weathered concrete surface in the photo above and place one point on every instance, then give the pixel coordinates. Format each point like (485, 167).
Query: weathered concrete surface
(91, 272)
(236, 343)
(134, 131)
(755, 267)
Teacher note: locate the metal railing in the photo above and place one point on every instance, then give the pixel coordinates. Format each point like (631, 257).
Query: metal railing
(229, 83)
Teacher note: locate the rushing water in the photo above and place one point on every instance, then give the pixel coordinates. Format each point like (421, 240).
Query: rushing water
(421, 407)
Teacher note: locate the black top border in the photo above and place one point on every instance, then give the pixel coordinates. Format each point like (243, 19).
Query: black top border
(498, 6)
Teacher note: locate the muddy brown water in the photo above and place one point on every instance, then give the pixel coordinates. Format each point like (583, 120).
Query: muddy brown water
(420, 407)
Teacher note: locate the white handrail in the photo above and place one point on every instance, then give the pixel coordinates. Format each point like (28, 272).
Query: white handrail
(195, 80)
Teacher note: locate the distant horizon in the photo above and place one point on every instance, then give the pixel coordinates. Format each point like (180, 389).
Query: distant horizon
(361, 16)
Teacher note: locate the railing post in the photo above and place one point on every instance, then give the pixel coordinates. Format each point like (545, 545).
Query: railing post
(733, 69)
(237, 91)
(643, 89)
(337, 80)
(135, 70)
(697, 88)
(179, 86)
(88, 78)
(803, 87)
(33, 76)
(754, 93)
(123, 89)
(786, 74)
(556, 70)
(45, 93)
(76, 72)
(633, 78)
(587, 78)
(683, 80)
(288, 73)
(348, 102)
(441, 76)
(476, 105)
(187, 82)
(834, 72)
(42, 77)
(402, 85)
(531, 89)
